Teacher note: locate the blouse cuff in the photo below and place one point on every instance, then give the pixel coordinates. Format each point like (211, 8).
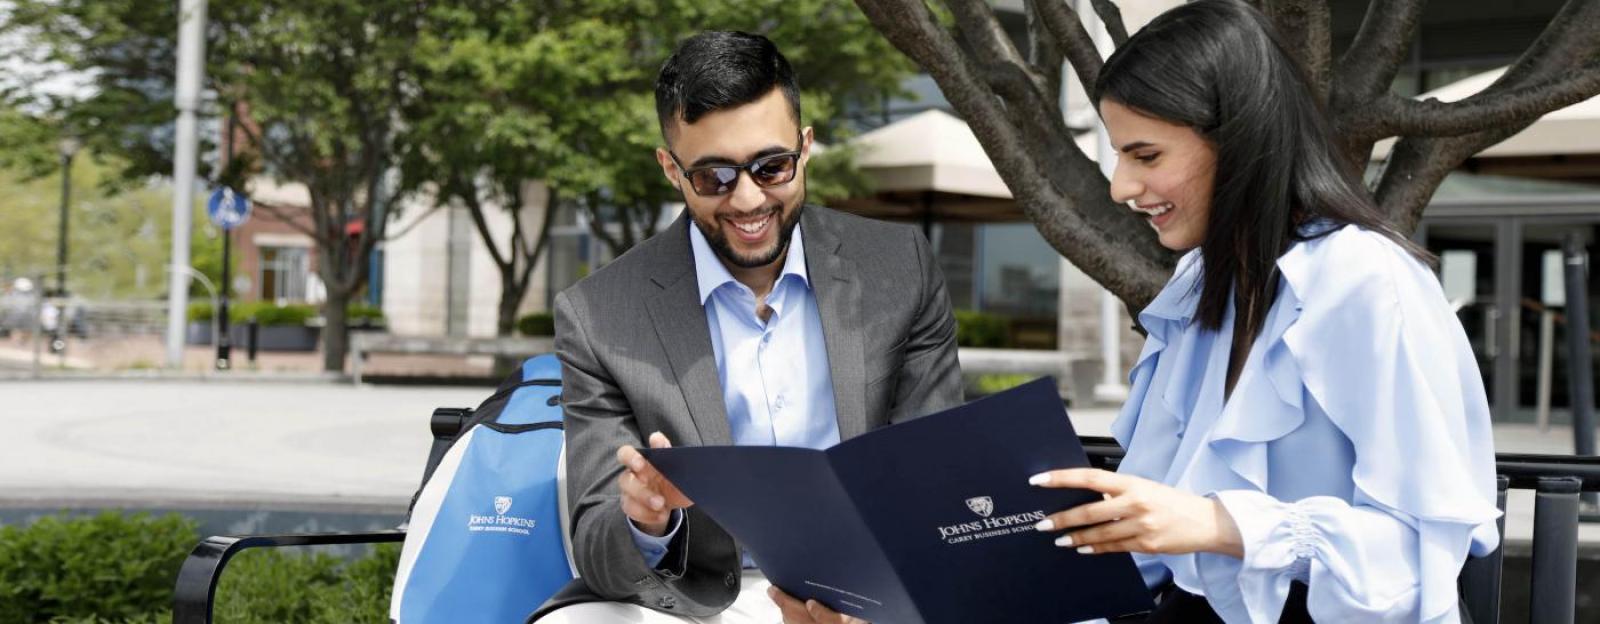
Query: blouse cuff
(1276, 536)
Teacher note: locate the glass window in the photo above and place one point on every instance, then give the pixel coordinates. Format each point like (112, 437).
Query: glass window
(1019, 271)
(283, 274)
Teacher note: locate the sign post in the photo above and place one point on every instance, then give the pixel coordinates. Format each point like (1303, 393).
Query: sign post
(227, 210)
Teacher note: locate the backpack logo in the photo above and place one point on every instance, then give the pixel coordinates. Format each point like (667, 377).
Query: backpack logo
(500, 522)
(981, 505)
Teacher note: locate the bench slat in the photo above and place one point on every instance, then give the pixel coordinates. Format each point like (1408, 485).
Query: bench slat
(1555, 551)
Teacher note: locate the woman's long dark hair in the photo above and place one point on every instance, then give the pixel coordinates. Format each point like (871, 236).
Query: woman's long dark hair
(1216, 66)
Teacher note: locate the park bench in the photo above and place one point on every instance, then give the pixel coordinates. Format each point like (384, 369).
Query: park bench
(1557, 481)
(363, 344)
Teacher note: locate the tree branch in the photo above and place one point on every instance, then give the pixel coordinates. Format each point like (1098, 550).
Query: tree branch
(1304, 27)
(1072, 38)
(476, 207)
(1098, 236)
(1026, 105)
(418, 221)
(1043, 53)
(1111, 16)
(1569, 40)
(281, 214)
(598, 227)
(1369, 65)
(981, 29)
(1396, 115)
(1417, 165)
(544, 234)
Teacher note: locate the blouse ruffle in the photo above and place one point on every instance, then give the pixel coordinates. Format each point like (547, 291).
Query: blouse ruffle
(1359, 333)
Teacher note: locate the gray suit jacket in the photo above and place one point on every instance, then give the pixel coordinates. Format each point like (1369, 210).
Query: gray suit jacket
(636, 358)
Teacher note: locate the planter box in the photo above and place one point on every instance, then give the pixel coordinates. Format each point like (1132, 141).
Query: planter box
(199, 333)
(278, 337)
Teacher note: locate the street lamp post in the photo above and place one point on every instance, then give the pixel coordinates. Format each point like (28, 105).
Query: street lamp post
(69, 148)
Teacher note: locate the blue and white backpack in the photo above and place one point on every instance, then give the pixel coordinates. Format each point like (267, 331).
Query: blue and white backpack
(487, 537)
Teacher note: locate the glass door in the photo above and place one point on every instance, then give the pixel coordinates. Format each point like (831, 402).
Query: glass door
(1542, 380)
(1478, 268)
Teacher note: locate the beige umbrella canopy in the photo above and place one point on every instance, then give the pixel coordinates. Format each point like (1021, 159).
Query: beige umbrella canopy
(930, 167)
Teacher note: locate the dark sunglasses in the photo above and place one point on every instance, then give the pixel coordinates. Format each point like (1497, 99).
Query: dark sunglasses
(767, 171)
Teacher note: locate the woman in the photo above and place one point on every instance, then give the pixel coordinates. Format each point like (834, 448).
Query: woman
(1307, 432)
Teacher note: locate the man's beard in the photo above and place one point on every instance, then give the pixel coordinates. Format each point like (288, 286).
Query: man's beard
(719, 240)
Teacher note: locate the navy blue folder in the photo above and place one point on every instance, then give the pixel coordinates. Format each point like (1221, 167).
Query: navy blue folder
(925, 521)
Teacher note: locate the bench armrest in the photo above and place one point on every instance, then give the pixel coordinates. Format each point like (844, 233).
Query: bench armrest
(197, 579)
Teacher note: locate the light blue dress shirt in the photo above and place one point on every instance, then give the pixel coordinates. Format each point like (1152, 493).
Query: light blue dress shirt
(775, 377)
(1355, 452)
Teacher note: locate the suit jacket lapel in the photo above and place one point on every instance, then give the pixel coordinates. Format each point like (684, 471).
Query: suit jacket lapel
(680, 323)
(838, 292)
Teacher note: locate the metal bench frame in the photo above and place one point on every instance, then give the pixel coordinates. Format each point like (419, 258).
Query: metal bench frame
(1557, 481)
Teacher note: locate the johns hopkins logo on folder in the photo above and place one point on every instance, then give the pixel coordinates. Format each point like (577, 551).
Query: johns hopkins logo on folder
(500, 522)
(990, 525)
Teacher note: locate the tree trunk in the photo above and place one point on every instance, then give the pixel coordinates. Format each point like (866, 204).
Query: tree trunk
(511, 295)
(335, 333)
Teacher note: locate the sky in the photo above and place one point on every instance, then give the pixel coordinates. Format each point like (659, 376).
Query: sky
(19, 71)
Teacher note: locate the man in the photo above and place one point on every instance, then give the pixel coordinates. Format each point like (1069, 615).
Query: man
(753, 319)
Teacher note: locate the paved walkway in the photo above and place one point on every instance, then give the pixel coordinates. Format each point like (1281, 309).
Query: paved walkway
(302, 444)
(181, 443)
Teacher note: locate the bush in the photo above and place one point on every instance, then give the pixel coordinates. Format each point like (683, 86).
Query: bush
(358, 312)
(116, 569)
(104, 566)
(269, 586)
(537, 324)
(995, 383)
(976, 329)
(200, 311)
(269, 314)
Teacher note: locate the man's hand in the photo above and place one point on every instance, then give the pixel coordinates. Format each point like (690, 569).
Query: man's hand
(648, 498)
(808, 612)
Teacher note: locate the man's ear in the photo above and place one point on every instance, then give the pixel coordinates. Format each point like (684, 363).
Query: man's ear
(668, 168)
(806, 137)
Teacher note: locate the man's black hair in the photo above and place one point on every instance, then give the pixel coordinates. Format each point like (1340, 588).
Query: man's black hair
(719, 70)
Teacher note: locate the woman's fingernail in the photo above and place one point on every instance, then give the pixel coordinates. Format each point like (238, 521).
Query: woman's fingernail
(1064, 541)
(1085, 550)
(1039, 479)
(1044, 525)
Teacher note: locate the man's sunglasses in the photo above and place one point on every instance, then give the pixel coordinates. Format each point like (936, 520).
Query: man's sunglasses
(767, 171)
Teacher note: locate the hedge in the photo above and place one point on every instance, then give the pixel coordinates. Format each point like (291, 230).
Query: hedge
(537, 324)
(976, 329)
(113, 568)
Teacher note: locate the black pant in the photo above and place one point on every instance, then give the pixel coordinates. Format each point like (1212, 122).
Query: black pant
(1181, 607)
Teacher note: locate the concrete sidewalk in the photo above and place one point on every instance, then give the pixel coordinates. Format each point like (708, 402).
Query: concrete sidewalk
(185, 443)
(306, 445)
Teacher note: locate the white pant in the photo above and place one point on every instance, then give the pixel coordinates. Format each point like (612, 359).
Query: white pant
(753, 606)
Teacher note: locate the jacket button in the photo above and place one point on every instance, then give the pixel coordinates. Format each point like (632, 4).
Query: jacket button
(731, 579)
(667, 602)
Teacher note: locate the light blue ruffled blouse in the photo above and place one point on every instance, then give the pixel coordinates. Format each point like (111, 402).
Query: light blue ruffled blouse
(1355, 453)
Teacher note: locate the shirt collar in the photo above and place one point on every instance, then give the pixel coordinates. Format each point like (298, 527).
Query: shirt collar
(711, 274)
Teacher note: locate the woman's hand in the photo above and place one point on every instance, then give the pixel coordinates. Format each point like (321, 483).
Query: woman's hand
(1138, 515)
